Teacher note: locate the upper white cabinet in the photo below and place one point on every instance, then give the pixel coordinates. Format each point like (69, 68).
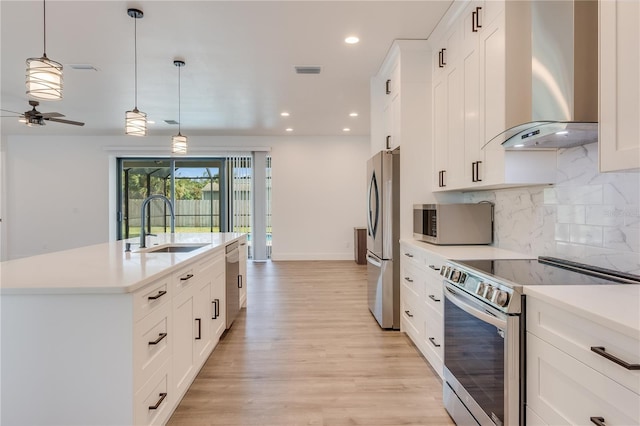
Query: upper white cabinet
(619, 143)
(398, 95)
(482, 59)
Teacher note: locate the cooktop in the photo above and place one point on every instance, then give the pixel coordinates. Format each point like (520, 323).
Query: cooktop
(549, 271)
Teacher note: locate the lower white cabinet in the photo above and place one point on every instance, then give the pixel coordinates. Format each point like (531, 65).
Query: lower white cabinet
(422, 301)
(117, 359)
(567, 382)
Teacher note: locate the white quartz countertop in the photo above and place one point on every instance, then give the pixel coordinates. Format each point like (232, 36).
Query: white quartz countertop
(615, 306)
(468, 252)
(104, 268)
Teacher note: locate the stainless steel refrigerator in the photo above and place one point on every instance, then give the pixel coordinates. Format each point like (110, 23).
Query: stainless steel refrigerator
(383, 233)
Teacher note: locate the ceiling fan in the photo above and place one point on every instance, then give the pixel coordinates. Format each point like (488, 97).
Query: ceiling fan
(37, 118)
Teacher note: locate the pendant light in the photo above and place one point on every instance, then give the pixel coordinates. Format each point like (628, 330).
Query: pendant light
(135, 120)
(179, 142)
(44, 76)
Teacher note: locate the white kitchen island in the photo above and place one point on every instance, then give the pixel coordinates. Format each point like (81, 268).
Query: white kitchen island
(96, 335)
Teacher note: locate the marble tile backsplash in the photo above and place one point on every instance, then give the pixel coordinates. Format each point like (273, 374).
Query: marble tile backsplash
(586, 216)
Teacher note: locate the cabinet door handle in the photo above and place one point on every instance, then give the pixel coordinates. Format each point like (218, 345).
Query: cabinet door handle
(187, 277)
(478, 171)
(163, 395)
(160, 337)
(409, 314)
(434, 298)
(598, 421)
(216, 308)
(157, 296)
(443, 52)
(434, 267)
(600, 350)
(440, 64)
(408, 254)
(407, 279)
(239, 281)
(442, 184)
(433, 342)
(474, 17)
(199, 336)
(388, 141)
(477, 18)
(388, 87)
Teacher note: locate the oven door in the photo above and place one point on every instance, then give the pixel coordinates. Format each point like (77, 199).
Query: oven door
(481, 359)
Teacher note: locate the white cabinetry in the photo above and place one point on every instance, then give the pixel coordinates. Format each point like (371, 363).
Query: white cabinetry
(398, 95)
(619, 143)
(121, 359)
(422, 302)
(567, 382)
(477, 92)
(243, 271)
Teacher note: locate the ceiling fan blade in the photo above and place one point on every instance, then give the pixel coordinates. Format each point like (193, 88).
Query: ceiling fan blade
(57, 120)
(51, 114)
(13, 112)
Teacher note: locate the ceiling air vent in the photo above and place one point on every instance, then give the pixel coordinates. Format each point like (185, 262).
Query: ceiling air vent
(174, 122)
(307, 70)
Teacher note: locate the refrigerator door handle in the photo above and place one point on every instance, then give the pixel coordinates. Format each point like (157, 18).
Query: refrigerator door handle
(373, 215)
(372, 260)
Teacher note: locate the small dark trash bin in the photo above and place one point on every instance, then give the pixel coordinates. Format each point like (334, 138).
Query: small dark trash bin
(360, 245)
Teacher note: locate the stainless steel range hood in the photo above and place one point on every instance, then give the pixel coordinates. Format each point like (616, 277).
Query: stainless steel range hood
(564, 77)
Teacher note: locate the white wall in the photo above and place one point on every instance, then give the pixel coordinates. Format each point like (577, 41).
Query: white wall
(60, 190)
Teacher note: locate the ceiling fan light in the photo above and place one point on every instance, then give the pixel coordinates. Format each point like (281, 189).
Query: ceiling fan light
(135, 123)
(179, 144)
(44, 79)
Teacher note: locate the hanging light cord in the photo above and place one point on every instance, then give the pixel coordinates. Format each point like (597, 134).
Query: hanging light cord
(44, 14)
(135, 59)
(179, 109)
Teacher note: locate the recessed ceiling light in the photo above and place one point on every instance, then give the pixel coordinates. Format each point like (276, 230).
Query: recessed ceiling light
(562, 132)
(346, 129)
(289, 129)
(151, 122)
(285, 114)
(520, 145)
(353, 114)
(351, 40)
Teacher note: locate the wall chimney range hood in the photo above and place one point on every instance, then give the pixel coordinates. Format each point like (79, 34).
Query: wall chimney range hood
(564, 78)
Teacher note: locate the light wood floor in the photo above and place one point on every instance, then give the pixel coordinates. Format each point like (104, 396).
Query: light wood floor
(307, 351)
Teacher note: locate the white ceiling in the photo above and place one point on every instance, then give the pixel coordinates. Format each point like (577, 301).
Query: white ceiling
(240, 58)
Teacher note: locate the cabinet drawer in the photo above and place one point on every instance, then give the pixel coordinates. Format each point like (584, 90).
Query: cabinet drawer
(433, 331)
(576, 335)
(433, 265)
(184, 278)
(563, 390)
(434, 296)
(151, 344)
(151, 297)
(412, 255)
(412, 315)
(153, 403)
(413, 280)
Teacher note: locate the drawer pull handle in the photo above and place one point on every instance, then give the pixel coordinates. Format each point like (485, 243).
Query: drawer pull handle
(600, 350)
(434, 267)
(407, 279)
(433, 342)
(199, 336)
(216, 308)
(160, 337)
(433, 297)
(187, 277)
(157, 296)
(163, 395)
(408, 254)
(598, 421)
(409, 314)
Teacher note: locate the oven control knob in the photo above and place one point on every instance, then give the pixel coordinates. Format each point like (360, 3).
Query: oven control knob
(502, 298)
(480, 289)
(488, 294)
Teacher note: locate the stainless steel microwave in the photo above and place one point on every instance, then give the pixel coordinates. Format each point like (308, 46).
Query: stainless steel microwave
(450, 224)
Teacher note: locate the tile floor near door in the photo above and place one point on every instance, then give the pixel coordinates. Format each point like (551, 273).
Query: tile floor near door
(307, 351)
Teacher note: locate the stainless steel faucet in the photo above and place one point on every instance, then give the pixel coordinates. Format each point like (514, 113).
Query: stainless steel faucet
(143, 216)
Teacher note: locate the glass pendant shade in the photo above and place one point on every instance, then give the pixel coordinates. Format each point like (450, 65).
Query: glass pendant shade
(135, 123)
(179, 144)
(44, 79)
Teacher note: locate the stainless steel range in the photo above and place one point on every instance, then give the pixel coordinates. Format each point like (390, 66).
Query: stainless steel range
(484, 324)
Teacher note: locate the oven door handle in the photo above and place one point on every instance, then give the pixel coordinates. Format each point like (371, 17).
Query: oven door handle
(463, 303)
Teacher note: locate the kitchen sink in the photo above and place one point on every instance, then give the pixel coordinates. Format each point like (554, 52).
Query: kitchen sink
(171, 248)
